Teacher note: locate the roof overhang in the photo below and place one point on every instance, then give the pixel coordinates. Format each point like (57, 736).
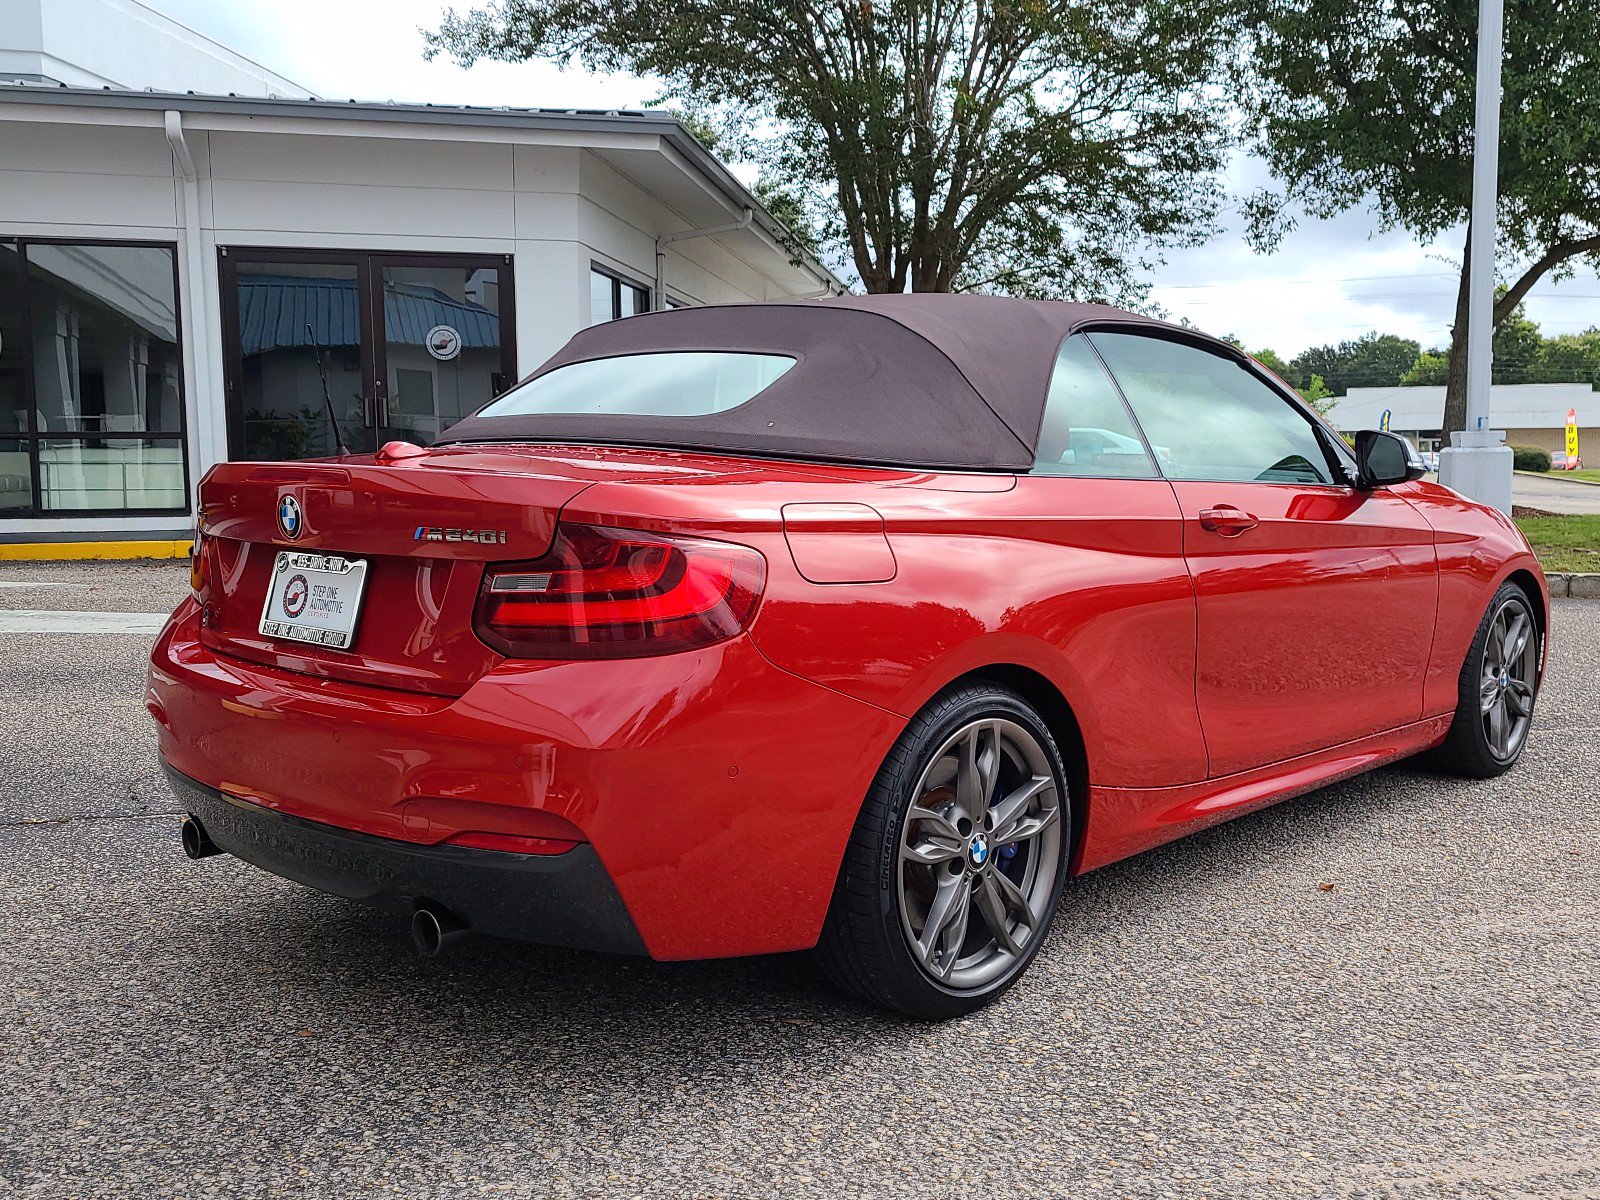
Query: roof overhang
(653, 149)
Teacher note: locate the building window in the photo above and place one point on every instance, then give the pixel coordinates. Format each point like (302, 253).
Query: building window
(611, 296)
(91, 380)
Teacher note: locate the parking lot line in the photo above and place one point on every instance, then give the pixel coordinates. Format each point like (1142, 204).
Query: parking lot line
(33, 620)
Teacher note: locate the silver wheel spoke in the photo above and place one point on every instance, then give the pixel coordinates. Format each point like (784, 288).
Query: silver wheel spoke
(1488, 692)
(1015, 900)
(1497, 727)
(931, 851)
(1031, 827)
(1514, 641)
(1007, 812)
(947, 919)
(1520, 696)
(945, 827)
(979, 770)
(991, 906)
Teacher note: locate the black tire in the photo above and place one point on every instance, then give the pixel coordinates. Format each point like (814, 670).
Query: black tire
(1468, 748)
(866, 946)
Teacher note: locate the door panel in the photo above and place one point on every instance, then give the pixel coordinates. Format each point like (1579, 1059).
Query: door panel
(1315, 622)
(1315, 601)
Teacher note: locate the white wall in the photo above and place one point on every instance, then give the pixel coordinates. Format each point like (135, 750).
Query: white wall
(305, 183)
(121, 43)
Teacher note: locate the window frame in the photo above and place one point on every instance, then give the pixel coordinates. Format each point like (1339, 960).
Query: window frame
(1116, 387)
(1339, 461)
(31, 437)
(620, 280)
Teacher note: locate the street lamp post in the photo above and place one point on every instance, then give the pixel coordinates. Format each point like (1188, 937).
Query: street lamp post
(1478, 464)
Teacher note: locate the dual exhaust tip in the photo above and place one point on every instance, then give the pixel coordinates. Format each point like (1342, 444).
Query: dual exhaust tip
(434, 929)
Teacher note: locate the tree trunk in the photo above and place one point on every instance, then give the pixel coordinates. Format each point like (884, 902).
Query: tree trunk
(1455, 386)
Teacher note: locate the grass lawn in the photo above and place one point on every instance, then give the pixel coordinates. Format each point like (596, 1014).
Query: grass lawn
(1564, 543)
(1589, 473)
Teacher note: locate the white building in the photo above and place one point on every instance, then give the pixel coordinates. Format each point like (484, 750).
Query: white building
(1532, 414)
(123, 44)
(174, 268)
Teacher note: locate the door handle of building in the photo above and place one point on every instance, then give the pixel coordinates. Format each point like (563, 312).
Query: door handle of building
(1227, 520)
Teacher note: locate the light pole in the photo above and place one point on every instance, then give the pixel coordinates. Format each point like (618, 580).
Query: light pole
(1478, 463)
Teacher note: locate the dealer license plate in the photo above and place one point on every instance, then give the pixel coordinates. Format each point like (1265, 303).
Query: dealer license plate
(314, 598)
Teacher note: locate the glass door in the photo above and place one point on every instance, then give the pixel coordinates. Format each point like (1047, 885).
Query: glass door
(443, 352)
(401, 346)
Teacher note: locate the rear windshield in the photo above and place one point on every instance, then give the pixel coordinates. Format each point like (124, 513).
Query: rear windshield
(690, 383)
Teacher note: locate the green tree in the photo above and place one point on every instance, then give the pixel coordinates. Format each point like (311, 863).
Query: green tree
(1569, 358)
(1274, 362)
(1029, 146)
(1431, 369)
(1318, 394)
(1371, 360)
(1358, 102)
(1519, 348)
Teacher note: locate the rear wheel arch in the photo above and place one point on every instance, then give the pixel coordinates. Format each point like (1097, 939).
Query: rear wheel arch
(1525, 580)
(1053, 708)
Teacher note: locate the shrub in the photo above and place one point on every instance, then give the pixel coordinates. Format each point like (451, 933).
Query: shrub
(1530, 458)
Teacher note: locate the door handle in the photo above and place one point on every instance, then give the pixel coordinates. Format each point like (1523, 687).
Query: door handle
(1227, 520)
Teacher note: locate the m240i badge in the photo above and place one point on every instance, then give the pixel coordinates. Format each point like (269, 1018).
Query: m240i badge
(435, 533)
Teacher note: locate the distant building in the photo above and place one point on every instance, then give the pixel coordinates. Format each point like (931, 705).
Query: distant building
(123, 44)
(1532, 414)
(171, 265)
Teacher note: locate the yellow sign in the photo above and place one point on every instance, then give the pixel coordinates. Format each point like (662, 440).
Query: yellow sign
(1572, 438)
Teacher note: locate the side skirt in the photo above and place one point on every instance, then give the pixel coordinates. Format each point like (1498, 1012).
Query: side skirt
(1124, 821)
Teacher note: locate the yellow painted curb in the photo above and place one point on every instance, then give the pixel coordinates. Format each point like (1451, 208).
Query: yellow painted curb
(70, 551)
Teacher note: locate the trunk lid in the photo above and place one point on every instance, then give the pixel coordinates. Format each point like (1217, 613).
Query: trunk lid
(425, 524)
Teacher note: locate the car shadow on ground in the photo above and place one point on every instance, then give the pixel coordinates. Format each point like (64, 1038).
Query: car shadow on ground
(337, 969)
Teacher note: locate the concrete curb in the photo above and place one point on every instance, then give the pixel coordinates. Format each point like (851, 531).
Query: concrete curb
(1559, 475)
(1582, 585)
(74, 551)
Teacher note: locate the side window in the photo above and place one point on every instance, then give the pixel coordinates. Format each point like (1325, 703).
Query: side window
(1209, 418)
(1087, 429)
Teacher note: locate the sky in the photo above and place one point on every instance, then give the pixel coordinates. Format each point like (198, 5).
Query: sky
(1328, 280)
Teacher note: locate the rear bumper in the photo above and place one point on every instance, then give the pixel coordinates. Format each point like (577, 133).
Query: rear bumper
(556, 900)
(714, 790)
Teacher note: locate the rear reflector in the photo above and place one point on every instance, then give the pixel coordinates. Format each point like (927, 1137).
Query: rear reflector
(618, 593)
(512, 843)
(199, 567)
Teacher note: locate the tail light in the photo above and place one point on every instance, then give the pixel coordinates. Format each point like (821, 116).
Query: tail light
(619, 593)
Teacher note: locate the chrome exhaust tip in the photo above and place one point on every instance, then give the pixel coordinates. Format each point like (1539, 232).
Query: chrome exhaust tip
(434, 930)
(197, 843)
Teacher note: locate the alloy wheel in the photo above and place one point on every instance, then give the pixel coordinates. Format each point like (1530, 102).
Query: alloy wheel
(1507, 681)
(979, 853)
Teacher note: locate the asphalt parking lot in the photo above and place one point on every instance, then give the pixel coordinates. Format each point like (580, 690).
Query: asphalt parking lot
(1211, 1018)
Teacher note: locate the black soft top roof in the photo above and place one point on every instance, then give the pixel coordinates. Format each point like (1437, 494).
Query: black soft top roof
(927, 380)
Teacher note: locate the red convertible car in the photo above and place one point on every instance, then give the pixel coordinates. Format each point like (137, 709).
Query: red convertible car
(857, 624)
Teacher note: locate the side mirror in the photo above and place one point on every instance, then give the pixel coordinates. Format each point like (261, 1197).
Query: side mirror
(1383, 459)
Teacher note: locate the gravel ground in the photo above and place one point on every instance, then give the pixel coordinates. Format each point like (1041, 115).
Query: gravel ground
(1209, 1019)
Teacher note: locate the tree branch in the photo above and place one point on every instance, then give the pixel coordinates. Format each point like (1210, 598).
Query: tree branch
(1554, 257)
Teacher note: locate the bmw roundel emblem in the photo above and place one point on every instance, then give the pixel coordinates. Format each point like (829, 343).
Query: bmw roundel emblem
(979, 850)
(290, 519)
